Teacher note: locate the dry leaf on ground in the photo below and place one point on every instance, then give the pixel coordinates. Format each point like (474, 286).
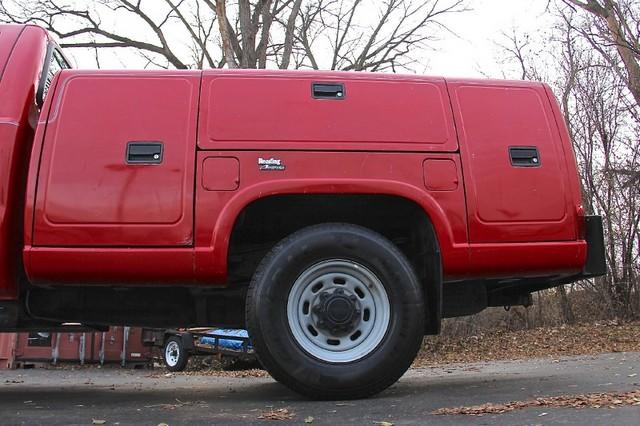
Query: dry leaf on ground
(590, 400)
(279, 414)
(582, 339)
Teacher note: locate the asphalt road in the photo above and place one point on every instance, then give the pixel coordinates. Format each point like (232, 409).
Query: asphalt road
(63, 397)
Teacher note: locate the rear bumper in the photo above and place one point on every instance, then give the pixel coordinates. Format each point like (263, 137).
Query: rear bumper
(596, 264)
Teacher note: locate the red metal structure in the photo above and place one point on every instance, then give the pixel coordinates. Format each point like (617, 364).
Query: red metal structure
(340, 216)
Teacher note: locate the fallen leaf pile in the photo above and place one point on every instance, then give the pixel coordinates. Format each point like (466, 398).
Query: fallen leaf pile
(584, 339)
(254, 372)
(590, 400)
(279, 414)
(214, 371)
(211, 366)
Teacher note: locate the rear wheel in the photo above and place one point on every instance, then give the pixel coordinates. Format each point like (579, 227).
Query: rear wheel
(335, 311)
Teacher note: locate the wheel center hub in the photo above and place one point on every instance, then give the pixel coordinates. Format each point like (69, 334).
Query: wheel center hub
(337, 312)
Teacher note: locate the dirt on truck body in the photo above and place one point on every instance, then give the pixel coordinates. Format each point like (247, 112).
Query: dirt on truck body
(338, 216)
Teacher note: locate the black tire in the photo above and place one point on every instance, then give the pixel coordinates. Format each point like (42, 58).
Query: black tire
(180, 357)
(275, 343)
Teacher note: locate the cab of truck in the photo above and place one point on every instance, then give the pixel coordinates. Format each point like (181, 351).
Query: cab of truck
(22, 54)
(29, 61)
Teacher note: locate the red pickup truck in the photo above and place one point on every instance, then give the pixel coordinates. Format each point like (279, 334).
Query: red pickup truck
(338, 216)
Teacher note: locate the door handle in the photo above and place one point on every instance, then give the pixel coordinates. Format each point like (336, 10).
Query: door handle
(144, 152)
(328, 90)
(524, 156)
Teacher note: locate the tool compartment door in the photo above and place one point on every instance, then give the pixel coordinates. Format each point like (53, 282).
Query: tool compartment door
(117, 164)
(514, 165)
(340, 111)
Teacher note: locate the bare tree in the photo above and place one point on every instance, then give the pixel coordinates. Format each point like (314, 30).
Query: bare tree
(333, 34)
(385, 44)
(603, 121)
(225, 34)
(617, 24)
(152, 27)
(612, 28)
(250, 46)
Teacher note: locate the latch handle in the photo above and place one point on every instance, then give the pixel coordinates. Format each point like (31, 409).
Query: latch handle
(524, 156)
(144, 152)
(328, 90)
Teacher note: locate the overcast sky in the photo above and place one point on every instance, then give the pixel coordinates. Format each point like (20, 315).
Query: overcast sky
(472, 53)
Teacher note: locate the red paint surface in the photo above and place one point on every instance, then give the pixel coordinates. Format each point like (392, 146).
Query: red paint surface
(324, 173)
(87, 193)
(504, 193)
(92, 218)
(22, 50)
(8, 36)
(507, 203)
(275, 110)
(105, 265)
(220, 173)
(440, 174)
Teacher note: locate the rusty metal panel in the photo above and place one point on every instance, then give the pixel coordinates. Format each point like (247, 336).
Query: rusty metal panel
(136, 350)
(69, 346)
(31, 346)
(112, 346)
(121, 343)
(7, 349)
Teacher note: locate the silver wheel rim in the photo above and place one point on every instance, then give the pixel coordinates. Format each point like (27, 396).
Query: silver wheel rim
(172, 353)
(370, 318)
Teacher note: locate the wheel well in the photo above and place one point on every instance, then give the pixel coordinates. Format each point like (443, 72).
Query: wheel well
(266, 221)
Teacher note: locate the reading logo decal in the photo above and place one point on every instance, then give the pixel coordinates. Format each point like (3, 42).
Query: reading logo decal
(270, 164)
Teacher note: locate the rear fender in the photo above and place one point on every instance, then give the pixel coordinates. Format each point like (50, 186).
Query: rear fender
(211, 261)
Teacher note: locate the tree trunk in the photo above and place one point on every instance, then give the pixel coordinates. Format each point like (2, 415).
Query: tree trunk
(565, 306)
(288, 38)
(221, 8)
